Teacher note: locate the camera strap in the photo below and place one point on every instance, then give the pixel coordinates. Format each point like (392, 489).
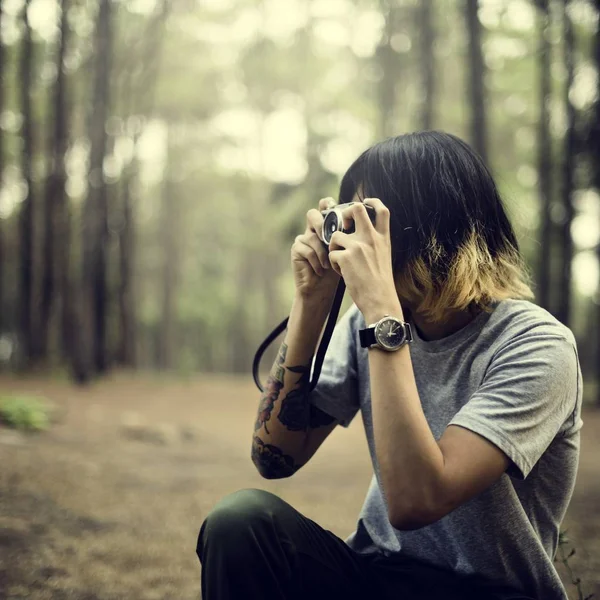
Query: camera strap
(320, 357)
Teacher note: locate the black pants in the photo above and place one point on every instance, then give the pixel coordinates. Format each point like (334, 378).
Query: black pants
(253, 545)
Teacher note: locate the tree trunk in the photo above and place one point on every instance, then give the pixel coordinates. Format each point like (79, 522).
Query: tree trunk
(237, 331)
(127, 317)
(476, 68)
(564, 306)
(427, 33)
(27, 266)
(544, 156)
(387, 60)
(56, 220)
(594, 150)
(150, 59)
(2, 259)
(169, 232)
(94, 285)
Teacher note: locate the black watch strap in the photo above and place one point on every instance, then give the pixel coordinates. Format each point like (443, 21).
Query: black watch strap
(367, 337)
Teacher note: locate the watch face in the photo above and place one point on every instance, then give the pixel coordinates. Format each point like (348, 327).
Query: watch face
(390, 333)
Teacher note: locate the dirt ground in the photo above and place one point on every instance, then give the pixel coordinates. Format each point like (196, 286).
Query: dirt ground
(107, 504)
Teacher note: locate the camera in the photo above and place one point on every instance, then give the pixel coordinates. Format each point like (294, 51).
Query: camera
(333, 221)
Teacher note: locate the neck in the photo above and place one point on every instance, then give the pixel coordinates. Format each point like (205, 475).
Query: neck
(453, 321)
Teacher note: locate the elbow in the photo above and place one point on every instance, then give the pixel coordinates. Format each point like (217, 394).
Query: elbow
(411, 516)
(271, 462)
(410, 521)
(271, 471)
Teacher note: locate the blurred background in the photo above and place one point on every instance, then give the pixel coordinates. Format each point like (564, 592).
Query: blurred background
(157, 158)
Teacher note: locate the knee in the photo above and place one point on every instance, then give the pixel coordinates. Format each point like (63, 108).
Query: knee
(236, 514)
(242, 507)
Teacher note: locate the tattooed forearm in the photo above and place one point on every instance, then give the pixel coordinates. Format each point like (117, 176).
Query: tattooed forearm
(295, 413)
(295, 409)
(270, 460)
(278, 368)
(272, 389)
(267, 402)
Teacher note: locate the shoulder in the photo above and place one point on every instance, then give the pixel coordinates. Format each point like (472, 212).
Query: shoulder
(525, 321)
(525, 341)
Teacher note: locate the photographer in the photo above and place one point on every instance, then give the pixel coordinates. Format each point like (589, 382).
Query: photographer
(470, 397)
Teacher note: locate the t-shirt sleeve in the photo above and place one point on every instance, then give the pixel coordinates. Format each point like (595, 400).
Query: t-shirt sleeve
(529, 391)
(336, 392)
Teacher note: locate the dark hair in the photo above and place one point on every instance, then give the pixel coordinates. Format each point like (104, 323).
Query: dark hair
(452, 242)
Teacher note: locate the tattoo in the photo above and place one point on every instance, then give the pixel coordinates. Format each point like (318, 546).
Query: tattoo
(278, 373)
(319, 418)
(272, 389)
(267, 403)
(294, 412)
(271, 461)
(278, 369)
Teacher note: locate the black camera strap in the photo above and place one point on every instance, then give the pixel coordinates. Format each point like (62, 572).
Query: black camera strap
(318, 363)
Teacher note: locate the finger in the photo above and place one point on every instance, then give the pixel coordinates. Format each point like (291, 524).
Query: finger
(309, 255)
(382, 214)
(360, 217)
(319, 248)
(326, 203)
(339, 241)
(314, 222)
(335, 256)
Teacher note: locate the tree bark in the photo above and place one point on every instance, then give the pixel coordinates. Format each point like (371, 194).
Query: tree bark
(476, 69)
(93, 310)
(154, 35)
(594, 149)
(26, 217)
(169, 232)
(426, 28)
(544, 157)
(56, 211)
(387, 61)
(126, 354)
(2, 259)
(568, 166)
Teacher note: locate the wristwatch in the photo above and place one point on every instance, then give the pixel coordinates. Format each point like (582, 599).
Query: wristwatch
(388, 334)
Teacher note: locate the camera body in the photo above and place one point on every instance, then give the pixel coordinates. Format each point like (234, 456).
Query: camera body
(333, 221)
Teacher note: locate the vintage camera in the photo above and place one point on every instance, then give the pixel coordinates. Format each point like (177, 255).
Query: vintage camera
(332, 220)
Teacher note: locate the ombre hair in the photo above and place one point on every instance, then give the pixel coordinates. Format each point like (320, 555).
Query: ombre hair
(453, 247)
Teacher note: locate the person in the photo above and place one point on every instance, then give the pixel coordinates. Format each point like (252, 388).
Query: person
(473, 426)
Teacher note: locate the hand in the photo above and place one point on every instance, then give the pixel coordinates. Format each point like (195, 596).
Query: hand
(313, 275)
(364, 260)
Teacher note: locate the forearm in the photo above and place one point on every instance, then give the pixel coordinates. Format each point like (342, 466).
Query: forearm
(410, 460)
(284, 414)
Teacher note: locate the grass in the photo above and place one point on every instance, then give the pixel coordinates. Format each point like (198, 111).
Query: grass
(26, 413)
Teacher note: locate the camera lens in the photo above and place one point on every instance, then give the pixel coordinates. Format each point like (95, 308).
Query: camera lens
(330, 226)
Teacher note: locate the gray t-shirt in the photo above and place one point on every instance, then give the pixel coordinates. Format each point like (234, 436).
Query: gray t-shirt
(511, 376)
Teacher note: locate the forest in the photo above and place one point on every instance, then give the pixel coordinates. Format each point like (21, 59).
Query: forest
(158, 157)
(157, 160)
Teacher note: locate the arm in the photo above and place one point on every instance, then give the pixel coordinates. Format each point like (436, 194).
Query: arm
(528, 393)
(513, 417)
(423, 479)
(288, 429)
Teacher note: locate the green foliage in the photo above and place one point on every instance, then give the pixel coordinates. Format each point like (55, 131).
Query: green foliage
(25, 413)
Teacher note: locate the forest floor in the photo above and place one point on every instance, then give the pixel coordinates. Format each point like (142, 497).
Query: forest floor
(107, 504)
